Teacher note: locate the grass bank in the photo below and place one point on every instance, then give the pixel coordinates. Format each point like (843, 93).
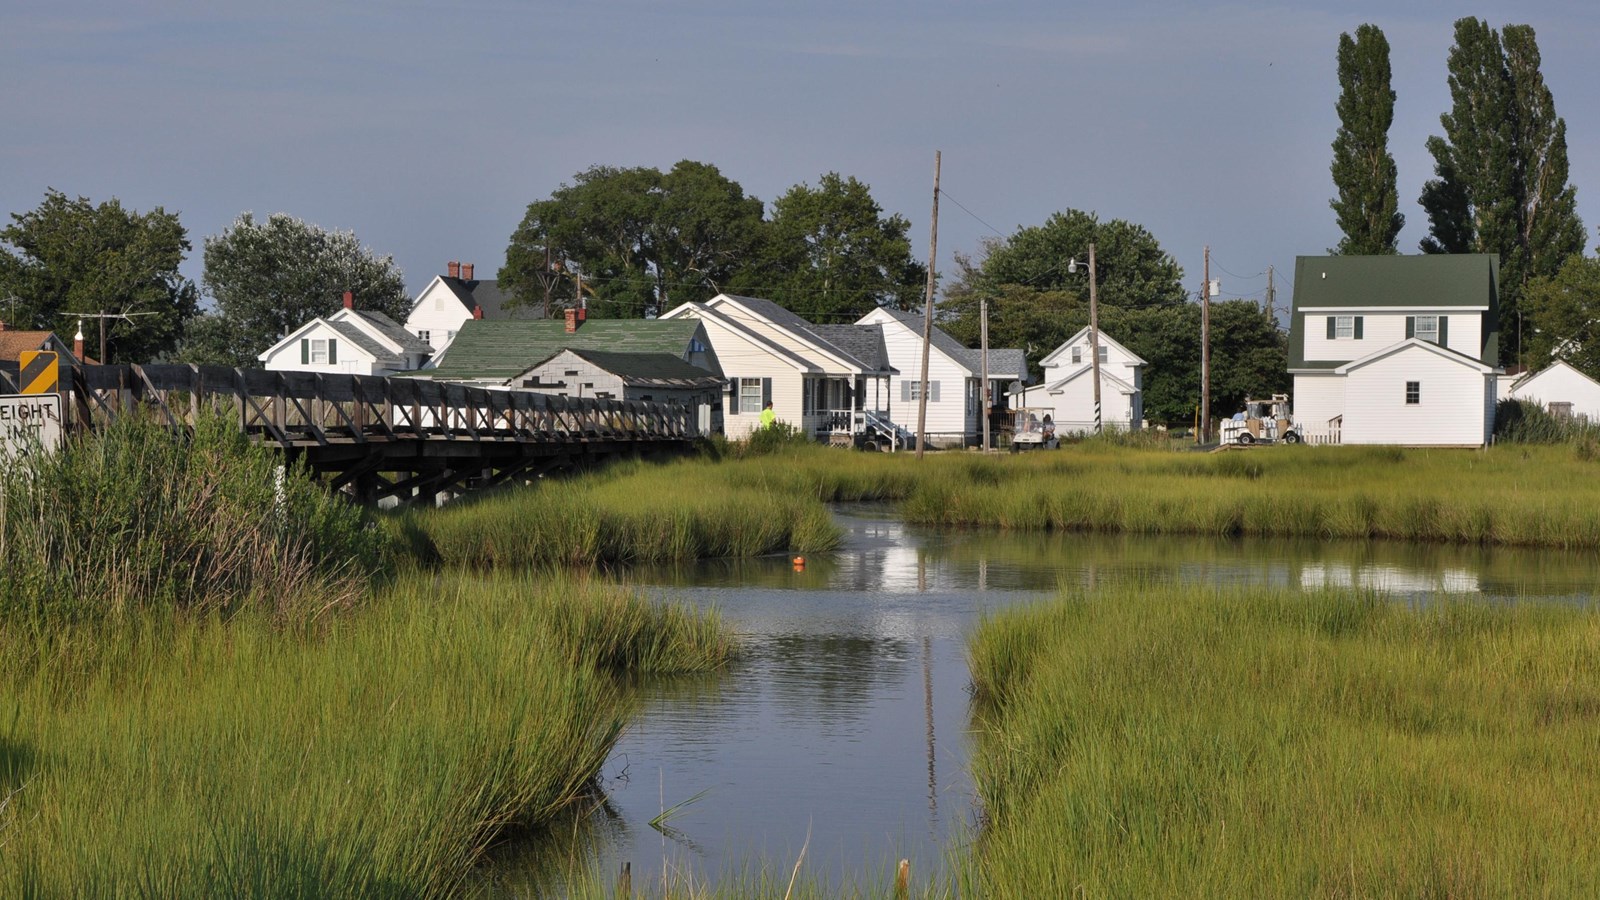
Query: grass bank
(625, 513)
(1166, 741)
(1537, 496)
(378, 754)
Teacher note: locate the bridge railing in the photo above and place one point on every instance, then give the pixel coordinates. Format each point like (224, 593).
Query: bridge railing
(299, 409)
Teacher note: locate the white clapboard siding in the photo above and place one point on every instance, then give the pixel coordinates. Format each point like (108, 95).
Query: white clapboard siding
(1560, 383)
(1455, 408)
(1318, 400)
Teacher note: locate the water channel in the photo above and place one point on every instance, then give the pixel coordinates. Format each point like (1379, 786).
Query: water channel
(844, 721)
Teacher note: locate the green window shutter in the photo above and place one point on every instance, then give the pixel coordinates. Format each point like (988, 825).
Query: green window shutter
(1444, 331)
(1359, 320)
(1331, 327)
(1411, 326)
(333, 351)
(305, 351)
(766, 392)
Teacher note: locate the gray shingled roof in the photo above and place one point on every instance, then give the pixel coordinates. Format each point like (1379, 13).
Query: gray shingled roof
(487, 294)
(488, 350)
(864, 342)
(360, 338)
(392, 330)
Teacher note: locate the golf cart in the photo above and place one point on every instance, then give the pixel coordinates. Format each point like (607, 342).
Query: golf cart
(1263, 422)
(1032, 427)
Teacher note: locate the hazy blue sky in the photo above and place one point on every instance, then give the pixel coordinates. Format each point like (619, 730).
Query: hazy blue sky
(427, 127)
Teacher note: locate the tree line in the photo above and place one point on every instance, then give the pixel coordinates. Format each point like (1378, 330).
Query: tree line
(1500, 183)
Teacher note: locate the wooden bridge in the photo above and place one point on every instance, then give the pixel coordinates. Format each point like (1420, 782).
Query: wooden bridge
(378, 437)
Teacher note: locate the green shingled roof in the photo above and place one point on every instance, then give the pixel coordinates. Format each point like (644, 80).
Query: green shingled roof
(1399, 282)
(497, 350)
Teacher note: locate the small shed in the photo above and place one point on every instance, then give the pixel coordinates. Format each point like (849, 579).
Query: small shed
(1562, 390)
(609, 375)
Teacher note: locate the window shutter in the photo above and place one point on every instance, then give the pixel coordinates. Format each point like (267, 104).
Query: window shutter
(1359, 320)
(333, 351)
(733, 396)
(766, 392)
(1330, 327)
(933, 392)
(905, 390)
(305, 351)
(1411, 326)
(1444, 331)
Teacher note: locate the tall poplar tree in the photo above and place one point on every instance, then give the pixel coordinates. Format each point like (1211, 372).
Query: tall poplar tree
(1501, 184)
(1363, 168)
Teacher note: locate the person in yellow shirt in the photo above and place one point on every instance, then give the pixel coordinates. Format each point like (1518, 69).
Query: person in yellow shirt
(768, 417)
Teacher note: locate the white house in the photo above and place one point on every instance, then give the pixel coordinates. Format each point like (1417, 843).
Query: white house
(1395, 349)
(1068, 386)
(452, 299)
(351, 341)
(955, 378)
(831, 381)
(1561, 389)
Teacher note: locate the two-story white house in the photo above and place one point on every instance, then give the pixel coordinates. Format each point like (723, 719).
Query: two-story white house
(955, 378)
(1067, 387)
(1396, 349)
(455, 298)
(352, 342)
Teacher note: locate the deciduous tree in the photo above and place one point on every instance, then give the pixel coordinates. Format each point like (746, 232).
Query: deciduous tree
(270, 277)
(1564, 311)
(1367, 207)
(72, 256)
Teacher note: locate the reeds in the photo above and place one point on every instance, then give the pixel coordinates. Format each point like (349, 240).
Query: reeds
(1175, 741)
(376, 755)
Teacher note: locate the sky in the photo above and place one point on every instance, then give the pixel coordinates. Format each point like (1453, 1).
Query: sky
(427, 127)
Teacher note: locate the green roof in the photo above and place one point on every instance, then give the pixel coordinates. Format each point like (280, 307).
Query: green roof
(1399, 282)
(486, 349)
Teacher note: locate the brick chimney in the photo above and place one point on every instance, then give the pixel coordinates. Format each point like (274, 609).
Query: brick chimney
(349, 300)
(466, 271)
(477, 312)
(572, 321)
(454, 269)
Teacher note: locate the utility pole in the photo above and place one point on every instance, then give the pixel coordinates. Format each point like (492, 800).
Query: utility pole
(1205, 353)
(1094, 337)
(983, 331)
(927, 314)
(1272, 295)
(102, 315)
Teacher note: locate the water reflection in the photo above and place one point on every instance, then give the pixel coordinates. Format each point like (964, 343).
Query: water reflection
(846, 716)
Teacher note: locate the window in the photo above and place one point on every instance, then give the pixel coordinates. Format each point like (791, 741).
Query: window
(570, 372)
(1077, 354)
(1427, 328)
(1102, 354)
(911, 390)
(319, 351)
(422, 335)
(1413, 393)
(1344, 327)
(750, 396)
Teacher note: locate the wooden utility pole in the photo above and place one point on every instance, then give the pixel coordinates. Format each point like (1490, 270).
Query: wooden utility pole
(1272, 298)
(1094, 337)
(927, 314)
(983, 331)
(1205, 353)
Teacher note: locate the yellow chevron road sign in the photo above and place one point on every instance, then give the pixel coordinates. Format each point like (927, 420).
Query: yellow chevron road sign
(39, 371)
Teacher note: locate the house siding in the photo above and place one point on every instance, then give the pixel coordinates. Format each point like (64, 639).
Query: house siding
(438, 313)
(1560, 383)
(1317, 400)
(1380, 329)
(1452, 411)
(742, 358)
(349, 359)
(949, 422)
(1074, 405)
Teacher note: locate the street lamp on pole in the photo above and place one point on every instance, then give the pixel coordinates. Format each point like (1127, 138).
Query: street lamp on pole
(1094, 329)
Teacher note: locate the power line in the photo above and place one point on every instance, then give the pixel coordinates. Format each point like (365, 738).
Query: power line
(946, 195)
(1260, 274)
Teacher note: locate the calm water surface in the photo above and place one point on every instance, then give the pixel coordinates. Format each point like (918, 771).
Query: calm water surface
(845, 717)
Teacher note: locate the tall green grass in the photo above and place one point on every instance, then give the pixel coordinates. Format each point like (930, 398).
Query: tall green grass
(1167, 741)
(136, 516)
(627, 513)
(378, 753)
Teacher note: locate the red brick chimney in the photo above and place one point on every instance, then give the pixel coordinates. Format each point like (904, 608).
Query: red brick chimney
(466, 271)
(454, 269)
(477, 312)
(349, 300)
(572, 321)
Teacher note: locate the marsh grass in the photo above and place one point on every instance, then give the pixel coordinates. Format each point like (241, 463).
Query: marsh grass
(627, 513)
(377, 754)
(1152, 740)
(135, 516)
